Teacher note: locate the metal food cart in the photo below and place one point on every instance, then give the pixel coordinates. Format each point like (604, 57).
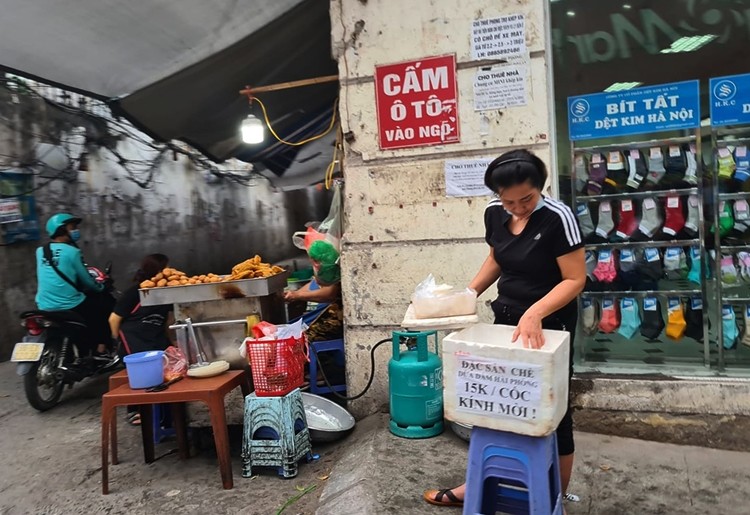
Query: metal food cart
(218, 313)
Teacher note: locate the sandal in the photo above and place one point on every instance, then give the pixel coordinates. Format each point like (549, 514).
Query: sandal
(134, 418)
(436, 497)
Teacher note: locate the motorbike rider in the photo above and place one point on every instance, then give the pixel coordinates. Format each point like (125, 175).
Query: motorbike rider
(65, 284)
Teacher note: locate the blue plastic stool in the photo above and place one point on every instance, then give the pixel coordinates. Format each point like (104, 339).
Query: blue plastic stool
(162, 416)
(324, 346)
(275, 434)
(513, 474)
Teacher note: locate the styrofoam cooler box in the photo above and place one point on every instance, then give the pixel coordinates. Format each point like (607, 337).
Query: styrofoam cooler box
(490, 382)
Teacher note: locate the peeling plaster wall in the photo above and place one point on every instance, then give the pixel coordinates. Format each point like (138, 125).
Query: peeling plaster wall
(399, 224)
(202, 227)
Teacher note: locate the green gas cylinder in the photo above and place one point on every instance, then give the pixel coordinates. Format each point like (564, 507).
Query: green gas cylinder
(415, 379)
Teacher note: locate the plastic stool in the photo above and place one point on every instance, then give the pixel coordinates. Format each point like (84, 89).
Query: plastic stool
(162, 416)
(275, 434)
(324, 346)
(513, 474)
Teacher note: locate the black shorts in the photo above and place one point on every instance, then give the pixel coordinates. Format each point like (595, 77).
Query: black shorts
(564, 320)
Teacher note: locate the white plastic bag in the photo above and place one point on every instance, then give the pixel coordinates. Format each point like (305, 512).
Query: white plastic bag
(432, 300)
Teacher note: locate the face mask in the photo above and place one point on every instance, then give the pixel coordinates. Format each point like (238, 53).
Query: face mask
(75, 234)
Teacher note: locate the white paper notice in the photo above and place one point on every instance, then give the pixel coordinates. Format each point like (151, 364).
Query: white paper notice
(10, 211)
(465, 177)
(500, 388)
(498, 38)
(500, 87)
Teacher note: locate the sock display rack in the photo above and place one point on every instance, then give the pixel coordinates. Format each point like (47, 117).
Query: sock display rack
(640, 206)
(731, 241)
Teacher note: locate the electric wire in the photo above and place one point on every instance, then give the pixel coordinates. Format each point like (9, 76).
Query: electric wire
(296, 143)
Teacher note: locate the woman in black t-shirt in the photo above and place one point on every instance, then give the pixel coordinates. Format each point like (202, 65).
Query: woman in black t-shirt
(135, 328)
(536, 256)
(141, 328)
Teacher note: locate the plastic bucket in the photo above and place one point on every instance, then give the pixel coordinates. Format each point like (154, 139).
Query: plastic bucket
(145, 369)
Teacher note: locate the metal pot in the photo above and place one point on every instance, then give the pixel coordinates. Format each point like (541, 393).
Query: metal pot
(463, 431)
(322, 414)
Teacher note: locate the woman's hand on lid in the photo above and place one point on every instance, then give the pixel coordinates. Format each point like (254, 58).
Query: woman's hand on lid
(529, 329)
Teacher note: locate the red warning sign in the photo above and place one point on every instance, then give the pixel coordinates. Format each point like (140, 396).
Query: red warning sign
(417, 103)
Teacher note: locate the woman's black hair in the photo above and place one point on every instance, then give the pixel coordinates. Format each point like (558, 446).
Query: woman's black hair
(514, 168)
(150, 266)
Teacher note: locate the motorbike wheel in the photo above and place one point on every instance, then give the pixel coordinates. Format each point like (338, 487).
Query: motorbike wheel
(43, 388)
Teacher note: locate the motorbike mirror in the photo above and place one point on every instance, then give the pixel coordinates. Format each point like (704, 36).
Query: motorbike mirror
(108, 268)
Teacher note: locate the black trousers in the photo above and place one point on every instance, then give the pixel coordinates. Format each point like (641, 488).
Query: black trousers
(95, 309)
(564, 320)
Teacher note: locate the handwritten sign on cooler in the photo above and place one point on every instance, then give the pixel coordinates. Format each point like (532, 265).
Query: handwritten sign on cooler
(497, 387)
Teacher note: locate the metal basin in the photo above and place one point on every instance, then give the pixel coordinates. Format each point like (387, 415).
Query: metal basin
(326, 420)
(463, 431)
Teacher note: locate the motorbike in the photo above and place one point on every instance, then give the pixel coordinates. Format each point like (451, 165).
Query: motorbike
(48, 357)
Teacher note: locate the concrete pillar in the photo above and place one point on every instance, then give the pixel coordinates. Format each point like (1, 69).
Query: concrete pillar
(399, 224)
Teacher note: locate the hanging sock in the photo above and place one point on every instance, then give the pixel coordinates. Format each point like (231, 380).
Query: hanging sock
(692, 166)
(726, 218)
(726, 163)
(741, 210)
(656, 168)
(729, 326)
(627, 260)
(631, 320)
(653, 322)
(597, 175)
(606, 223)
(629, 274)
(676, 323)
(675, 263)
(694, 275)
(628, 223)
(675, 164)
(743, 266)
(728, 271)
(584, 220)
(590, 264)
(589, 320)
(605, 270)
(610, 319)
(616, 171)
(675, 219)
(651, 266)
(694, 218)
(742, 160)
(650, 218)
(582, 174)
(694, 319)
(746, 335)
(638, 169)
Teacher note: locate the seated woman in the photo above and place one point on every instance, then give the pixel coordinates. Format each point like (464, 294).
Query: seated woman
(135, 328)
(325, 322)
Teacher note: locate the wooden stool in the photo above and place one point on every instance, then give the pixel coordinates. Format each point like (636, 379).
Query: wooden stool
(210, 390)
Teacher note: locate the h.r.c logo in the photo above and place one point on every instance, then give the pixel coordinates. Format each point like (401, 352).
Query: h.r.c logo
(579, 108)
(725, 90)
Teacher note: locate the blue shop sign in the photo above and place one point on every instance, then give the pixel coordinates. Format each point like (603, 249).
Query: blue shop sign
(730, 100)
(659, 108)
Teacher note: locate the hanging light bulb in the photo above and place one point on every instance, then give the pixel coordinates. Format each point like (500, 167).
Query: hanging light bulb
(252, 130)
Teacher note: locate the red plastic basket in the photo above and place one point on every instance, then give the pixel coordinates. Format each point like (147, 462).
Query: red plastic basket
(278, 366)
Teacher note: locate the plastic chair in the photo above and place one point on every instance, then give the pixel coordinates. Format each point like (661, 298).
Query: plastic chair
(315, 349)
(513, 474)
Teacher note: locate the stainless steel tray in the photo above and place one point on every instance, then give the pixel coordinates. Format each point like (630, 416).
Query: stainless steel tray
(243, 288)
